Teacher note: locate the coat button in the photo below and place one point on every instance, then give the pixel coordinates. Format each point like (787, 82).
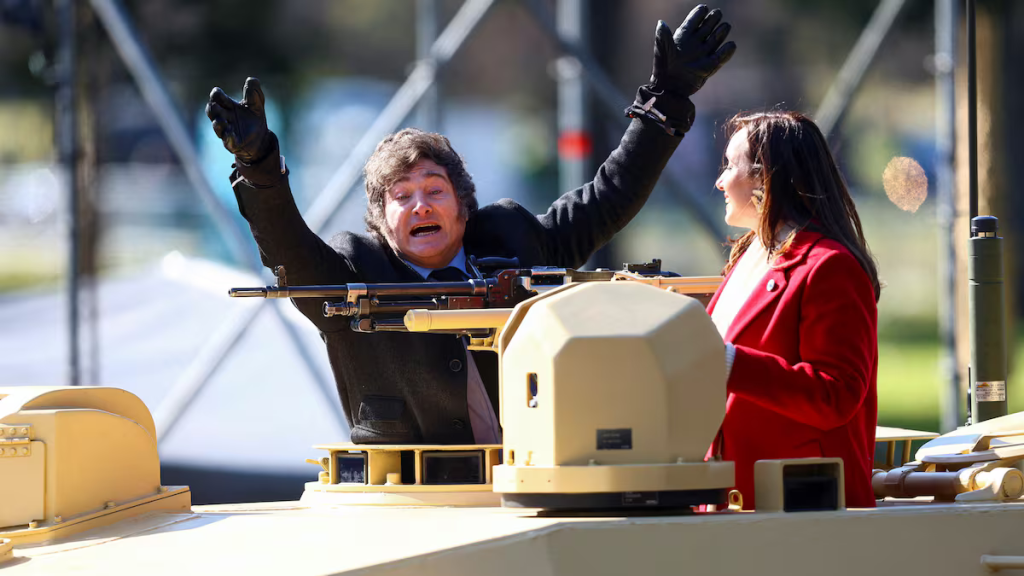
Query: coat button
(455, 365)
(458, 424)
(771, 285)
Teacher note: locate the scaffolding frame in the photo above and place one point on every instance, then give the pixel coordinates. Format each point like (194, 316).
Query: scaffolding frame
(434, 53)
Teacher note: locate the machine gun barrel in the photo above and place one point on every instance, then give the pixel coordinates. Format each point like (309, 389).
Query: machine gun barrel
(486, 301)
(249, 292)
(466, 288)
(327, 291)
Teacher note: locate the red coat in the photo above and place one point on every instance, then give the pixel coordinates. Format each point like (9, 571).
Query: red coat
(803, 383)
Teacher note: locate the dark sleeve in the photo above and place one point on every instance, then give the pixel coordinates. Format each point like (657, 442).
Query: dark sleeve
(581, 221)
(265, 201)
(838, 351)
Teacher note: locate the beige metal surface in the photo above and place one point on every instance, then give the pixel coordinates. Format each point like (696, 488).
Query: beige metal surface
(384, 487)
(75, 458)
(426, 320)
(769, 475)
(888, 434)
(700, 287)
(617, 478)
(977, 463)
(349, 446)
(394, 488)
(1011, 452)
(967, 438)
(584, 364)
(113, 400)
(651, 349)
(475, 497)
(677, 284)
(286, 539)
(175, 499)
(22, 483)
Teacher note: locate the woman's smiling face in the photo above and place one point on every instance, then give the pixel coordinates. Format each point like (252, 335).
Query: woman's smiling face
(738, 181)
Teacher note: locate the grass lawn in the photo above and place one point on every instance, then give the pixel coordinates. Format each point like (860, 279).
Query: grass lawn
(908, 384)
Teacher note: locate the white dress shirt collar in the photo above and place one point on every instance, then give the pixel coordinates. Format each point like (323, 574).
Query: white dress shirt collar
(459, 262)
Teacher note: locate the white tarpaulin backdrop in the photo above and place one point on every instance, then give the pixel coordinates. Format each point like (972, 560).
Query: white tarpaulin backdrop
(260, 412)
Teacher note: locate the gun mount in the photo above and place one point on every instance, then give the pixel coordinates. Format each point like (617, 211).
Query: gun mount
(602, 411)
(387, 307)
(978, 463)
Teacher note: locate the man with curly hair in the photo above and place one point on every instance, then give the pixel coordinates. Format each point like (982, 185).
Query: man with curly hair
(423, 220)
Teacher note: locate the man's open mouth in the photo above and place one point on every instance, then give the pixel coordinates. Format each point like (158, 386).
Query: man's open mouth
(424, 230)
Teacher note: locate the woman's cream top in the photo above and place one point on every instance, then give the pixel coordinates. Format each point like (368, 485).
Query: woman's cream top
(746, 276)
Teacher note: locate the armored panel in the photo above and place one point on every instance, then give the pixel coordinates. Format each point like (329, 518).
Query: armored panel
(614, 372)
(22, 469)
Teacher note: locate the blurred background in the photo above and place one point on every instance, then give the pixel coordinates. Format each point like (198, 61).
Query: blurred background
(114, 188)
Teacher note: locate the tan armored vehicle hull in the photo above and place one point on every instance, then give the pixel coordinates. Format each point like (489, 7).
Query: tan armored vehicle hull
(290, 539)
(80, 491)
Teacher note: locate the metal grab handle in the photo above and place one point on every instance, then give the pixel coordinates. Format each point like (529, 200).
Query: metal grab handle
(996, 563)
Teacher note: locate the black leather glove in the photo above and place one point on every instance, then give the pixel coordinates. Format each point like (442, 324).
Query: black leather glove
(242, 126)
(685, 60)
(682, 63)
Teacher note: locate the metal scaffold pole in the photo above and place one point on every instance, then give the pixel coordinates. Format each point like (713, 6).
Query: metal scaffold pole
(945, 134)
(429, 112)
(67, 136)
(972, 114)
(574, 140)
(154, 91)
(839, 94)
(113, 17)
(985, 292)
(421, 79)
(614, 101)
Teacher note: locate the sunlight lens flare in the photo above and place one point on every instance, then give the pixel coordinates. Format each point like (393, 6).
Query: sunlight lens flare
(905, 183)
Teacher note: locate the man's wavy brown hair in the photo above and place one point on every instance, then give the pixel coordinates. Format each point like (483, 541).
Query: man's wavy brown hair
(802, 186)
(392, 160)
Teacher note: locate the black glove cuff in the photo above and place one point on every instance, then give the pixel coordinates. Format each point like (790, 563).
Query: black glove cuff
(673, 113)
(265, 172)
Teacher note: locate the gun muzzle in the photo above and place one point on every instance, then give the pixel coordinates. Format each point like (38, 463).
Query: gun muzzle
(247, 292)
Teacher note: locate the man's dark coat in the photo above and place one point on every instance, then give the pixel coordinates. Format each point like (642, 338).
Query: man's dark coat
(411, 388)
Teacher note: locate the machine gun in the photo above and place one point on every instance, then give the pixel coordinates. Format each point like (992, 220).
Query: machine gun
(487, 300)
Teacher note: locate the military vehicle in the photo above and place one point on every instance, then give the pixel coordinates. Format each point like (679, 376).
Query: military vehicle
(589, 480)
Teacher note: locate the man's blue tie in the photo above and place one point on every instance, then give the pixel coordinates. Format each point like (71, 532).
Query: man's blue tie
(449, 274)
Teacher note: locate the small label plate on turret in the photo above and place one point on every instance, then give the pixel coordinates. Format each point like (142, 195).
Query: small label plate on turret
(615, 439)
(994, 391)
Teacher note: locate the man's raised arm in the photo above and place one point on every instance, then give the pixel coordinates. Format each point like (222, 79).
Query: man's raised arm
(583, 220)
(260, 183)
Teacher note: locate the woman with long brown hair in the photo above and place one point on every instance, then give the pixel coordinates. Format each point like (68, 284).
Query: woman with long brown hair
(797, 309)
